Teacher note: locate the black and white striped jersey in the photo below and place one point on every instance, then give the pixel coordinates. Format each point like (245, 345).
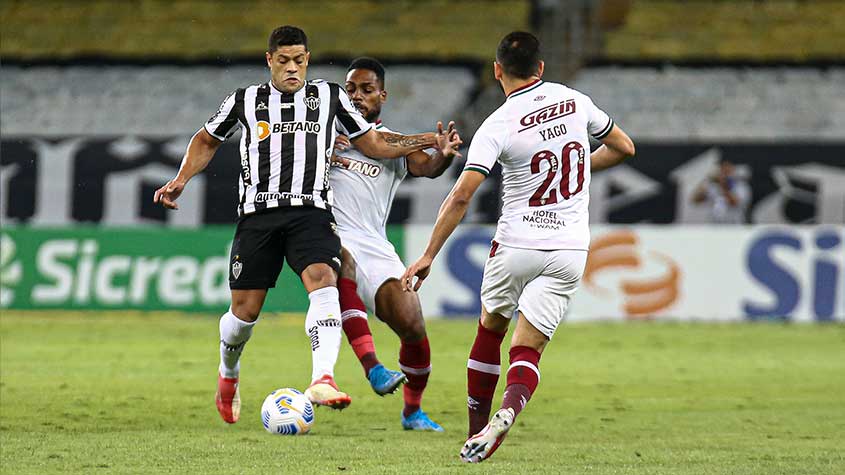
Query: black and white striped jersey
(286, 141)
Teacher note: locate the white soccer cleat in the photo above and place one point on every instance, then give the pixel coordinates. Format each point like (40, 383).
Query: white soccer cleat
(482, 445)
(324, 392)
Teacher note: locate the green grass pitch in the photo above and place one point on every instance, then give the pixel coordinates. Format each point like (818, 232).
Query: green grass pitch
(133, 393)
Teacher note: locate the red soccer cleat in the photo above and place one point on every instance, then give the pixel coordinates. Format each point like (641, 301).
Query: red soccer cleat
(228, 399)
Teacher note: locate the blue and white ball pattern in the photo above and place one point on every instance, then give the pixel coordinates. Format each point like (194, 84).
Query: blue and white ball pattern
(287, 411)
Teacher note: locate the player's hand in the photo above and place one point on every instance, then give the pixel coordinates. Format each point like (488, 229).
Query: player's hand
(341, 143)
(420, 269)
(448, 142)
(167, 194)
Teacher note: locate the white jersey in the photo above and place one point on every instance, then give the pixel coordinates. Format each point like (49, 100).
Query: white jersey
(540, 135)
(364, 190)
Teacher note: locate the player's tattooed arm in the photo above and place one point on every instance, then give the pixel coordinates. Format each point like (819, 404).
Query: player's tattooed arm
(399, 140)
(389, 145)
(433, 165)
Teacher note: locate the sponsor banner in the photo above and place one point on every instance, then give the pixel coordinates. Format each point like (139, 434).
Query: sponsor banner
(110, 181)
(149, 269)
(667, 272)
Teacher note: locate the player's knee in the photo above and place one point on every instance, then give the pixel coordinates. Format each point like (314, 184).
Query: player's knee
(494, 322)
(317, 276)
(413, 330)
(246, 309)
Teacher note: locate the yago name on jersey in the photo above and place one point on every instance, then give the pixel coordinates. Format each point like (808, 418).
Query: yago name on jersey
(540, 136)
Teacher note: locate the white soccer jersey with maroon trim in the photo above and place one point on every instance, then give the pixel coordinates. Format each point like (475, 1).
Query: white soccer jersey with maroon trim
(364, 189)
(540, 136)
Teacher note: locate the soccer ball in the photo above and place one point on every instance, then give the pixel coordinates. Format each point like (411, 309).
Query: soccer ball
(287, 411)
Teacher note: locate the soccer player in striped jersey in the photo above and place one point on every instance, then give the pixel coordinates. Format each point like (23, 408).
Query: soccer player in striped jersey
(540, 136)
(288, 128)
(364, 188)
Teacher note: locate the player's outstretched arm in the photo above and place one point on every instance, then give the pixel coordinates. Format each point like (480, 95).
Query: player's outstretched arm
(200, 151)
(432, 166)
(616, 147)
(377, 144)
(451, 213)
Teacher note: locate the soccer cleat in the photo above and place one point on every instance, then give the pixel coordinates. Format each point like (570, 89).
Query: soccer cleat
(419, 420)
(385, 381)
(324, 392)
(482, 445)
(228, 399)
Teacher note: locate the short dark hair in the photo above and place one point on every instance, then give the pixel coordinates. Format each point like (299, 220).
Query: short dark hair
(286, 35)
(519, 54)
(371, 64)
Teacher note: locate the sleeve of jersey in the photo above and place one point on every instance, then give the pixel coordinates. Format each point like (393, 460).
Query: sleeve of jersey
(350, 122)
(484, 149)
(224, 122)
(599, 123)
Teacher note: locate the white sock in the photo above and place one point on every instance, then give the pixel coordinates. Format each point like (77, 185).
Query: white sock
(234, 333)
(323, 327)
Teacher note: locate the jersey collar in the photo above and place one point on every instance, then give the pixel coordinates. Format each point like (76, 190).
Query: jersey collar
(378, 124)
(273, 89)
(526, 88)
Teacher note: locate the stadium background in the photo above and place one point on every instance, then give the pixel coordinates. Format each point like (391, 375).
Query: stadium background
(96, 116)
(98, 100)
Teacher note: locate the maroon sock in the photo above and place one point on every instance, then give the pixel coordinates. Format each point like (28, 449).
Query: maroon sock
(353, 313)
(523, 377)
(483, 370)
(415, 362)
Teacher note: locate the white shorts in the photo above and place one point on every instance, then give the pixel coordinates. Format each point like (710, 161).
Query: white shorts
(376, 262)
(538, 283)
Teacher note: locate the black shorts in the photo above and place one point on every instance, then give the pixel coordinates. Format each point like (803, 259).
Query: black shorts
(302, 235)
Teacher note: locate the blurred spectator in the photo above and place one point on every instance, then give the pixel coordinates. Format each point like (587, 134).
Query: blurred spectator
(726, 193)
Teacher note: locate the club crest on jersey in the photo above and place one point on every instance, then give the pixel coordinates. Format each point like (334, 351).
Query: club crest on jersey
(547, 114)
(312, 102)
(237, 267)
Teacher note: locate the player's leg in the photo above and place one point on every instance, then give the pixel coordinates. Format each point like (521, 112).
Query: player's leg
(313, 251)
(483, 368)
(522, 378)
(353, 313)
(542, 304)
(256, 260)
(235, 330)
(357, 330)
(523, 374)
(402, 312)
(500, 288)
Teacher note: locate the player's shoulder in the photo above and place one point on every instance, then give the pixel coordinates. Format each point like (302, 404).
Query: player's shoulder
(565, 92)
(383, 128)
(574, 93)
(496, 118)
(239, 91)
(323, 83)
(250, 89)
